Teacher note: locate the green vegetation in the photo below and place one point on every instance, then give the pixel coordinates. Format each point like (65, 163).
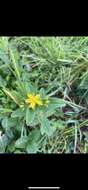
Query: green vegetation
(43, 94)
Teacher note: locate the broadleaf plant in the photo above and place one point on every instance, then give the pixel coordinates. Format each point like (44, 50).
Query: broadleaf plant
(35, 109)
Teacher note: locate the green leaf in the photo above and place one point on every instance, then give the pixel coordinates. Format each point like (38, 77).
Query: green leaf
(5, 140)
(9, 123)
(12, 122)
(4, 44)
(59, 124)
(32, 148)
(18, 152)
(30, 116)
(27, 87)
(5, 122)
(57, 102)
(11, 95)
(50, 110)
(46, 128)
(2, 81)
(42, 92)
(19, 125)
(18, 95)
(21, 142)
(15, 58)
(30, 88)
(34, 135)
(18, 113)
(33, 143)
(4, 57)
(5, 110)
(2, 147)
(11, 148)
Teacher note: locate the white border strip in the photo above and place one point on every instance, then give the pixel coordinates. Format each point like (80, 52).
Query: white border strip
(44, 187)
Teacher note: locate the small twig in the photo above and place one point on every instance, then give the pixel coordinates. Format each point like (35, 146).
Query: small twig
(34, 65)
(68, 102)
(53, 93)
(73, 104)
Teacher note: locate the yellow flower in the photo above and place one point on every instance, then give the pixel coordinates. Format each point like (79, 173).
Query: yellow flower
(33, 100)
